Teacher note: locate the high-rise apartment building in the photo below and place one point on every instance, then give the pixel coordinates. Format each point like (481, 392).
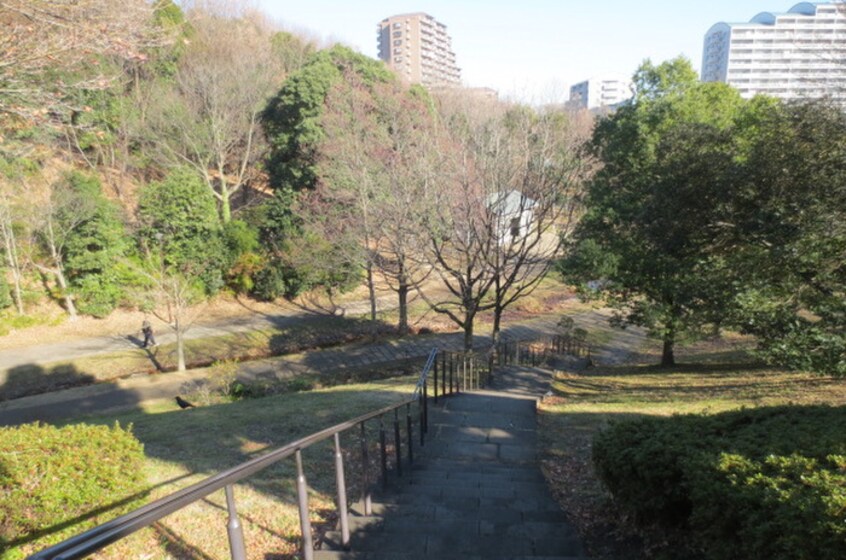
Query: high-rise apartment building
(604, 91)
(418, 48)
(799, 54)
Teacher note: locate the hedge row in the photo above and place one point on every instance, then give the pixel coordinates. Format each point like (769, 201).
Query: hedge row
(752, 484)
(56, 482)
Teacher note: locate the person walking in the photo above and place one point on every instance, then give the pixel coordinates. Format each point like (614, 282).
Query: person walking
(147, 330)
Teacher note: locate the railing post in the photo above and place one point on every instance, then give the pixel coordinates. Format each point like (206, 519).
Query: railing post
(233, 527)
(435, 386)
(383, 449)
(452, 388)
(397, 442)
(409, 433)
(443, 369)
(302, 501)
(421, 419)
(425, 407)
(365, 473)
(443, 382)
(341, 485)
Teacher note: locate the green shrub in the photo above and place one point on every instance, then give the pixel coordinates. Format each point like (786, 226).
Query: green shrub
(57, 482)
(763, 483)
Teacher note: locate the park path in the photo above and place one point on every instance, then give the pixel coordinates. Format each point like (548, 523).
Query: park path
(130, 393)
(43, 354)
(475, 492)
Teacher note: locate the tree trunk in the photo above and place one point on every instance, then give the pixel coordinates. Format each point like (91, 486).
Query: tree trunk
(371, 290)
(66, 295)
(402, 294)
(225, 205)
(497, 326)
(468, 331)
(668, 359)
(12, 261)
(180, 346)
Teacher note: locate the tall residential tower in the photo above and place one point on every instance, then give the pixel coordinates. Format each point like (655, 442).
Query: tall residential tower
(416, 46)
(800, 54)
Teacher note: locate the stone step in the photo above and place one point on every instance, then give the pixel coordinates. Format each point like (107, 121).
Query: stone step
(443, 541)
(450, 467)
(355, 555)
(472, 503)
(510, 529)
(432, 511)
(512, 490)
(419, 483)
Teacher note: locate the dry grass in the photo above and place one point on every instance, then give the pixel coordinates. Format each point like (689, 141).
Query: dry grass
(714, 376)
(185, 446)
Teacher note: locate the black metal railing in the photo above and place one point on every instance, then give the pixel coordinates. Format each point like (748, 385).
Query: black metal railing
(103, 535)
(451, 373)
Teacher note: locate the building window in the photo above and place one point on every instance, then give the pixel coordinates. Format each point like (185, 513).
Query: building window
(397, 42)
(397, 25)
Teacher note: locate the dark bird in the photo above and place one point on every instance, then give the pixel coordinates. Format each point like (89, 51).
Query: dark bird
(183, 403)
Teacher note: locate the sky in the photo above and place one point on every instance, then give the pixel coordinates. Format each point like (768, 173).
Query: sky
(533, 50)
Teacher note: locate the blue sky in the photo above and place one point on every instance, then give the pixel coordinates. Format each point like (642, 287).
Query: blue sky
(534, 50)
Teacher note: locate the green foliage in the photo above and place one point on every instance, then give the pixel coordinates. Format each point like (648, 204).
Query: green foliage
(292, 117)
(291, 50)
(651, 208)
(668, 78)
(94, 247)
(764, 483)
(243, 255)
(5, 291)
(179, 218)
(56, 482)
(788, 234)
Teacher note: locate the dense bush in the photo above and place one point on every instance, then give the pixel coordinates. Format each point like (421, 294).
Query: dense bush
(763, 483)
(56, 482)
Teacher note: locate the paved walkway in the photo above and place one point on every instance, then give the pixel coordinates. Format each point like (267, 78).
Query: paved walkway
(129, 393)
(476, 492)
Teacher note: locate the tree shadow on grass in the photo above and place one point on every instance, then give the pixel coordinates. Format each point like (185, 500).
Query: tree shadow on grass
(210, 439)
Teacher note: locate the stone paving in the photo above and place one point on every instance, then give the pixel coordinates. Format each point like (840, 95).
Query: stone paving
(476, 491)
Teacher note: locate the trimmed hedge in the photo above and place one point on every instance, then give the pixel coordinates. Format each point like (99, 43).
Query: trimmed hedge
(57, 482)
(761, 483)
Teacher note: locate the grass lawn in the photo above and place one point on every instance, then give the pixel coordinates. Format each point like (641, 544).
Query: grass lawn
(712, 377)
(307, 332)
(185, 446)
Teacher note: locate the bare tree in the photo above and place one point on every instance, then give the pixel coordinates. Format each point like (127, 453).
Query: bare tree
(171, 295)
(40, 36)
(368, 173)
(500, 205)
(459, 236)
(538, 170)
(209, 119)
(10, 213)
(61, 214)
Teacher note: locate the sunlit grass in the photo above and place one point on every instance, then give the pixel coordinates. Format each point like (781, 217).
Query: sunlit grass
(185, 446)
(713, 376)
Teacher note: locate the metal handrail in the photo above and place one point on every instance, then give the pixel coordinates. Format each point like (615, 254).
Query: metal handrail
(470, 377)
(101, 536)
(421, 381)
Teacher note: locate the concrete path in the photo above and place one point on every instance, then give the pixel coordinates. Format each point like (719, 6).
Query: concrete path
(129, 393)
(125, 394)
(476, 492)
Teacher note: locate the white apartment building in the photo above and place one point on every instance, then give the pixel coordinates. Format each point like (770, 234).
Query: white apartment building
(799, 54)
(603, 91)
(417, 47)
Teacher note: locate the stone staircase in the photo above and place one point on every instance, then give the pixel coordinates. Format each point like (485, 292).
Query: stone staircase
(475, 491)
